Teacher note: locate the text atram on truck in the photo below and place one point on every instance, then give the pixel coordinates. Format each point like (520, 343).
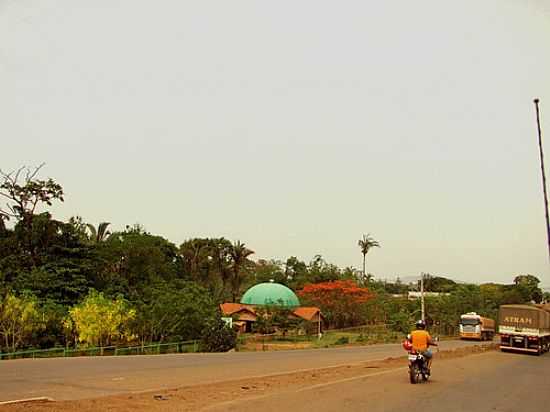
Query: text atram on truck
(524, 328)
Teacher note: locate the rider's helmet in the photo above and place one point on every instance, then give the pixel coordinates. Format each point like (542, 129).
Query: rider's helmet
(421, 324)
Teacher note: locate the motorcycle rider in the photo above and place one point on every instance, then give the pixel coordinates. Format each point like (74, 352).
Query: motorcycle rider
(421, 341)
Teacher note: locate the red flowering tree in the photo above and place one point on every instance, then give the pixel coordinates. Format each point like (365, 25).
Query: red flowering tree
(341, 301)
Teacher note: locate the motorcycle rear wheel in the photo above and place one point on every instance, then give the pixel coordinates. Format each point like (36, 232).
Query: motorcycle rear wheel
(414, 374)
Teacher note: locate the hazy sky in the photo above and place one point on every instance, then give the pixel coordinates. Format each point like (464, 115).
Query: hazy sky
(294, 126)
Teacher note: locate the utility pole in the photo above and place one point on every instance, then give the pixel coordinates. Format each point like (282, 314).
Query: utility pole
(536, 101)
(422, 296)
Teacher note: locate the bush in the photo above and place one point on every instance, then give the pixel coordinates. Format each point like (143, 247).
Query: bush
(218, 337)
(343, 340)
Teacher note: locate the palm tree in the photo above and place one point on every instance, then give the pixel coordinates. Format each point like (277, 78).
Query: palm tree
(239, 262)
(366, 244)
(195, 253)
(100, 234)
(220, 251)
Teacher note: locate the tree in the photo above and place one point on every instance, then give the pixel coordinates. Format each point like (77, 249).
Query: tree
(296, 272)
(492, 296)
(321, 271)
(209, 262)
(349, 272)
(528, 287)
(240, 264)
(267, 270)
(25, 193)
(197, 259)
(100, 234)
(218, 337)
(51, 332)
(272, 318)
(394, 288)
(19, 319)
(366, 244)
(132, 260)
(220, 258)
(340, 301)
(100, 321)
(80, 228)
(447, 308)
(175, 311)
(61, 266)
(437, 284)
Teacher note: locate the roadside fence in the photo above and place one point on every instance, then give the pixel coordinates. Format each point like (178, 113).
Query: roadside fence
(190, 346)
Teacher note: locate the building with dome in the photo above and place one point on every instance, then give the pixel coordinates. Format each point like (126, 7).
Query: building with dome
(270, 294)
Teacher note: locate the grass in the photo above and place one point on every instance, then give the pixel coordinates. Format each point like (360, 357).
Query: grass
(329, 339)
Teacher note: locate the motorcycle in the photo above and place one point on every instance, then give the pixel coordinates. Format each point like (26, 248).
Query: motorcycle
(418, 364)
(418, 368)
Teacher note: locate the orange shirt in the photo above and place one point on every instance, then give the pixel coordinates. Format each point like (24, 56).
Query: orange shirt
(420, 340)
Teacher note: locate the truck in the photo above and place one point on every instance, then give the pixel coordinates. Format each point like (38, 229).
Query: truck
(524, 328)
(474, 326)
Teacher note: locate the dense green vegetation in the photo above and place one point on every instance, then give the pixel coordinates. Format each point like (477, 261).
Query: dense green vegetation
(443, 312)
(73, 283)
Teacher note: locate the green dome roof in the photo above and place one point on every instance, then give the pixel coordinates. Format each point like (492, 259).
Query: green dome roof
(270, 293)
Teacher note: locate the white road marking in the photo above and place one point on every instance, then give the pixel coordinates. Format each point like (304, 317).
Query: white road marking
(39, 399)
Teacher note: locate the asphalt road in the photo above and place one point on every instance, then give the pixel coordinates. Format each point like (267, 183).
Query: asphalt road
(90, 377)
(493, 381)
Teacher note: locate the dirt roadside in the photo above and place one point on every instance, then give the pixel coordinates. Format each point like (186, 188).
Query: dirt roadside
(197, 397)
(492, 381)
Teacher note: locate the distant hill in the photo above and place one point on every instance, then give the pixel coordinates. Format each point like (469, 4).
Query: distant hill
(414, 279)
(403, 279)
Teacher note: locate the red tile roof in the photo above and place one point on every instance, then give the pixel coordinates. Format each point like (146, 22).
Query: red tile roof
(306, 312)
(231, 308)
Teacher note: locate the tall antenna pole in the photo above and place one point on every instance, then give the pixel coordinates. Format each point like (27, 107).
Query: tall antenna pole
(543, 176)
(422, 297)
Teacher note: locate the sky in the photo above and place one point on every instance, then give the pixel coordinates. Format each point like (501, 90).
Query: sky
(293, 126)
